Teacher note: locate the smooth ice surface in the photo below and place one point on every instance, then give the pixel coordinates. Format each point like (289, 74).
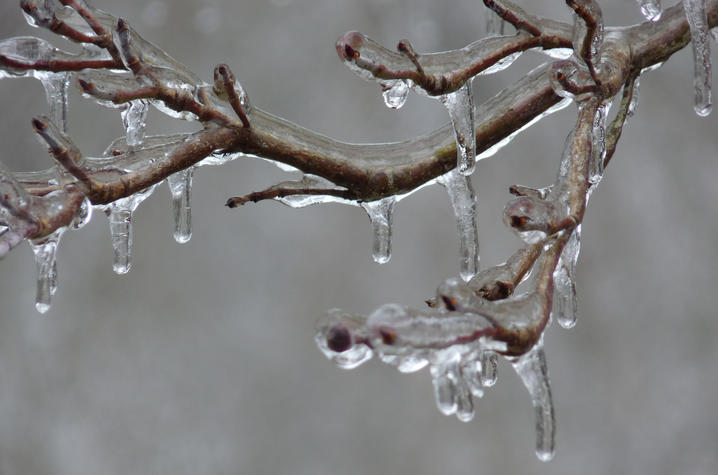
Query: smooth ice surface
(635, 96)
(180, 185)
(651, 9)
(395, 93)
(463, 202)
(495, 25)
(698, 22)
(598, 146)
(134, 118)
(44, 250)
(460, 105)
(55, 85)
(311, 181)
(531, 368)
(120, 215)
(489, 368)
(564, 278)
(381, 214)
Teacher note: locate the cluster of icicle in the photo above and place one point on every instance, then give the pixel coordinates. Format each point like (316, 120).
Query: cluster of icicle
(135, 147)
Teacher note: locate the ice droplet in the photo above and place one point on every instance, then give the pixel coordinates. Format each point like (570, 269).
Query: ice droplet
(698, 23)
(489, 366)
(336, 339)
(463, 202)
(180, 184)
(134, 118)
(564, 296)
(381, 215)
(395, 93)
(531, 368)
(83, 216)
(460, 105)
(45, 250)
(55, 85)
(651, 9)
(120, 215)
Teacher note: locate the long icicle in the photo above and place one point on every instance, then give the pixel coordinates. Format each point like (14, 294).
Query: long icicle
(463, 202)
(180, 185)
(698, 22)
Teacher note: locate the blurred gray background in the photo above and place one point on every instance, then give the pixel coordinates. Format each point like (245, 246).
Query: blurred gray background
(201, 360)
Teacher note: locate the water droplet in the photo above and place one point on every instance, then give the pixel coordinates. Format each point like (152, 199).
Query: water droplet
(395, 93)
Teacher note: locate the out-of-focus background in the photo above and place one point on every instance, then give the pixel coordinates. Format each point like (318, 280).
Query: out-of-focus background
(201, 360)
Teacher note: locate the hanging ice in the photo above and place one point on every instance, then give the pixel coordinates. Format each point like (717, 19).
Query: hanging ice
(180, 184)
(633, 103)
(564, 278)
(463, 202)
(460, 105)
(598, 146)
(134, 118)
(395, 93)
(55, 85)
(698, 22)
(495, 25)
(120, 215)
(489, 365)
(531, 368)
(44, 250)
(381, 215)
(650, 9)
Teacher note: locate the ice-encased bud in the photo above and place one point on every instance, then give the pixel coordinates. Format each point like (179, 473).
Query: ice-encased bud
(336, 337)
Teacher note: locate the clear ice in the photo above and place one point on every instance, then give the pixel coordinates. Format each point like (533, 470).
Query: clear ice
(531, 368)
(564, 281)
(381, 213)
(460, 105)
(180, 185)
(134, 118)
(635, 96)
(44, 250)
(489, 368)
(651, 9)
(55, 85)
(598, 146)
(120, 215)
(395, 93)
(463, 202)
(495, 25)
(698, 22)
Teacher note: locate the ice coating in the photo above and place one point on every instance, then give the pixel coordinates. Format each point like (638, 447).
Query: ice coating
(310, 181)
(460, 105)
(337, 337)
(650, 9)
(531, 368)
(489, 368)
(598, 146)
(55, 85)
(44, 250)
(381, 214)
(120, 215)
(564, 278)
(14, 227)
(495, 25)
(463, 202)
(698, 23)
(395, 93)
(134, 118)
(635, 96)
(180, 185)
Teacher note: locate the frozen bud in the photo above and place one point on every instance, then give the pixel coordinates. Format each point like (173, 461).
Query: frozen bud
(338, 336)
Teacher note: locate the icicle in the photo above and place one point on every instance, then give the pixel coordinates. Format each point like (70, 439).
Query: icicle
(651, 9)
(381, 214)
(564, 279)
(44, 250)
(134, 118)
(598, 146)
(532, 369)
(444, 378)
(395, 93)
(489, 365)
(180, 185)
(120, 215)
(633, 104)
(55, 85)
(698, 22)
(495, 25)
(463, 202)
(460, 105)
